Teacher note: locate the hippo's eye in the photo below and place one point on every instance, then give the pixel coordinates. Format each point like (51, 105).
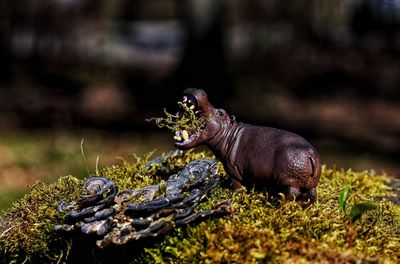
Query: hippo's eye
(220, 113)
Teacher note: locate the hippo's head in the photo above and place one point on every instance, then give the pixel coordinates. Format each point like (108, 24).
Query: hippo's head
(216, 119)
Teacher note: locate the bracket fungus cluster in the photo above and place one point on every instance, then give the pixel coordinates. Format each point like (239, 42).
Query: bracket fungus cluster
(119, 217)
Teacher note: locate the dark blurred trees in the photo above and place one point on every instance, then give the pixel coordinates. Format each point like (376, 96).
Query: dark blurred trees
(204, 61)
(112, 63)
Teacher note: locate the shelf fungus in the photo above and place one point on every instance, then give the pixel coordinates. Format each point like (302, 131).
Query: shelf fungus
(118, 217)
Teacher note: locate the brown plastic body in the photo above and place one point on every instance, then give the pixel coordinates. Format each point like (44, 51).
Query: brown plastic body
(263, 158)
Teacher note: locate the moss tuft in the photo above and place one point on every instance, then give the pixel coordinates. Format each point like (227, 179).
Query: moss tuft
(255, 232)
(187, 119)
(26, 231)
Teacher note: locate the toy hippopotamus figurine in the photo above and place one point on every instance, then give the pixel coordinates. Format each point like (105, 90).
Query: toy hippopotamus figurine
(265, 158)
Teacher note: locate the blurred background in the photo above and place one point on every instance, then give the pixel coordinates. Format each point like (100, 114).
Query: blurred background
(72, 69)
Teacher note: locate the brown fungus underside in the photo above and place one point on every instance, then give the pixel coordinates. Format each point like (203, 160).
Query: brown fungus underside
(254, 232)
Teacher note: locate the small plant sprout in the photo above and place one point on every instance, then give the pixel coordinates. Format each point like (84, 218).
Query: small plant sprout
(344, 194)
(97, 166)
(354, 214)
(97, 171)
(84, 157)
(357, 210)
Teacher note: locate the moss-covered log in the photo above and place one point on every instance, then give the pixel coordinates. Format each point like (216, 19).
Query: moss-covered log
(254, 232)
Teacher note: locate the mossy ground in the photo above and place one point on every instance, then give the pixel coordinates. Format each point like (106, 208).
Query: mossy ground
(255, 232)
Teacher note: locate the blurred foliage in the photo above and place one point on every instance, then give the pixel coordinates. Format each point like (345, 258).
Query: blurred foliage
(309, 66)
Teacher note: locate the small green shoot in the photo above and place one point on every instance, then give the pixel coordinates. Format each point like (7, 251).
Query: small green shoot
(357, 210)
(84, 157)
(97, 171)
(354, 215)
(344, 194)
(97, 166)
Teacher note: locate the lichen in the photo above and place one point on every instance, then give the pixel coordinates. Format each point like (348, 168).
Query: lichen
(255, 232)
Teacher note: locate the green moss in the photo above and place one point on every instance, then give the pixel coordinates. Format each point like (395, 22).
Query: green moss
(183, 120)
(255, 232)
(26, 231)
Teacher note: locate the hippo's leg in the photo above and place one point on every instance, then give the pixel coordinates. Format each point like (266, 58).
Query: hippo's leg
(235, 185)
(308, 196)
(291, 193)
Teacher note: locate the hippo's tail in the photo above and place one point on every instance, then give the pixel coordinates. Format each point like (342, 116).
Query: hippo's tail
(316, 166)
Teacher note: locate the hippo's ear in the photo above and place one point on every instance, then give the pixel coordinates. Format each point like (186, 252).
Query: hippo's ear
(233, 118)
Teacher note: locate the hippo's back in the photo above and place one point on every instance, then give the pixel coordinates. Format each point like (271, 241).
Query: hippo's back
(278, 157)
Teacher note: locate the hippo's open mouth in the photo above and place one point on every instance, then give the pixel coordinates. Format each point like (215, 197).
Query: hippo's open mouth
(190, 131)
(183, 137)
(188, 123)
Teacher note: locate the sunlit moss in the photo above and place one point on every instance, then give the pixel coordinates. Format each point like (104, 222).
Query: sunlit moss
(26, 231)
(254, 232)
(258, 232)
